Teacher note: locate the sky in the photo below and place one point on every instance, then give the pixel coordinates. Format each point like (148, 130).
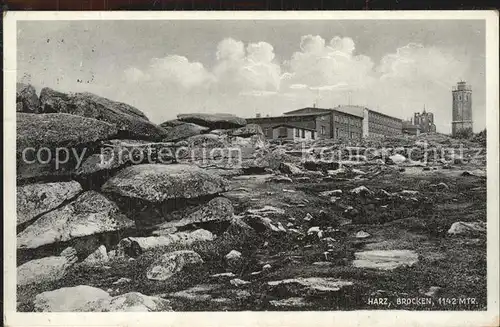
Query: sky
(269, 67)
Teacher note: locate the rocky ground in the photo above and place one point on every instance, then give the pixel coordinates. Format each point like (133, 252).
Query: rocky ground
(281, 229)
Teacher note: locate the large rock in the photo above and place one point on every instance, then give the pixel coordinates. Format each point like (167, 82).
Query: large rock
(26, 99)
(248, 130)
(385, 259)
(134, 246)
(36, 199)
(115, 154)
(171, 123)
(46, 269)
(213, 121)
(170, 263)
(91, 213)
(137, 302)
(157, 183)
(85, 298)
(216, 210)
(210, 141)
(59, 130)
(181, 132)
(468, 228)
(129, 120)
(80, 298)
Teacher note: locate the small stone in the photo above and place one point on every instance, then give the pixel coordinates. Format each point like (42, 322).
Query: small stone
(238, 282)
(362, 234)
(122, 281)
(308, 217)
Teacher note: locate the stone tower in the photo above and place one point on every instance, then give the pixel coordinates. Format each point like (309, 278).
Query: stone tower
(462, 108)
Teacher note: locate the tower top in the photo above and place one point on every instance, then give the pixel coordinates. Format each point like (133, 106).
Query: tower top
(462, 86)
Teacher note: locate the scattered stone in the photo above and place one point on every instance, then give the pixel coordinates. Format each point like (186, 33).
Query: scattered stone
(362, 234)
(170, 263)
(238, 282)
(328, 194)
(433, 291)
(292, 302)
(157, 183)
(248, 130)
(234, 259)
(80, 298)
(91, 213)
(290, 169)
(122, 280)
(385, 259)
(36, 199)
(308, 217)
(361, 190)
(223, 275)
(409, 193)
(467, 228)
(397, 158)
(281, 179)
(443, 185)
(135, 246)
(311, 285)
(267, 210)
(266, 267)
(196, 293)
(262, 224)
(99, 256)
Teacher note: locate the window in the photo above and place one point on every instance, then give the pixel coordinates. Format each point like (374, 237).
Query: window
(352, 135)
(323, 130)
(297, 132)
(337, 133)
(303, 133)
(459, 98)
(312, 134)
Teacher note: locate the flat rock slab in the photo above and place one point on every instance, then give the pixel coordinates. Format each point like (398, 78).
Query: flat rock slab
(310, 285)
(36, 199)
(80, 298)
(91, 213)
(385, 259)
(292, 302)
(213, 121)
(196, 293)
(134, 246)
(216, 210)
(85, 298)
(157, 183)
(59, 130)
(468, 228)
(184, 131)
(129, 120)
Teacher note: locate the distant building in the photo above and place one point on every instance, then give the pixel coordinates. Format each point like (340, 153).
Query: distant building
(462, 108)
(292, 133)
(410, 129)
(425, 121)
(342, 122)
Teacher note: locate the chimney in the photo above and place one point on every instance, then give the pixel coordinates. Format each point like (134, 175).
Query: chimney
(257, 115)
(267, 115)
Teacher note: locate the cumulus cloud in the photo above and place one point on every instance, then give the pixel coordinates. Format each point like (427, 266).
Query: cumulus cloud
(240, 69)
(172, 69)
(318, 64)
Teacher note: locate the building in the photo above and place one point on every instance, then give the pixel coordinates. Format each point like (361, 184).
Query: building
(462, 108)
(425, 121)
(339, 123)
(410, 129)
(376, 124)
(342, 122)
(319, 121)
(291, 132)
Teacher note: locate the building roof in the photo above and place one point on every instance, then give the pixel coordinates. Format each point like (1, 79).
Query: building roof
(285, 116)
(294, 126)
(353, 111)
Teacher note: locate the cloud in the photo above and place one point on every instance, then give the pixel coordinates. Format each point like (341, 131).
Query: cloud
(173, 70)
(320, 64)
(239, 69)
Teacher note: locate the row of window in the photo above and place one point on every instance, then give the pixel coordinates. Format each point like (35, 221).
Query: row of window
(339, 133)
(384, 120)
(347, 120)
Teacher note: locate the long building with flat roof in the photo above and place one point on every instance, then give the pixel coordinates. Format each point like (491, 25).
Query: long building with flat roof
(341, 122)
